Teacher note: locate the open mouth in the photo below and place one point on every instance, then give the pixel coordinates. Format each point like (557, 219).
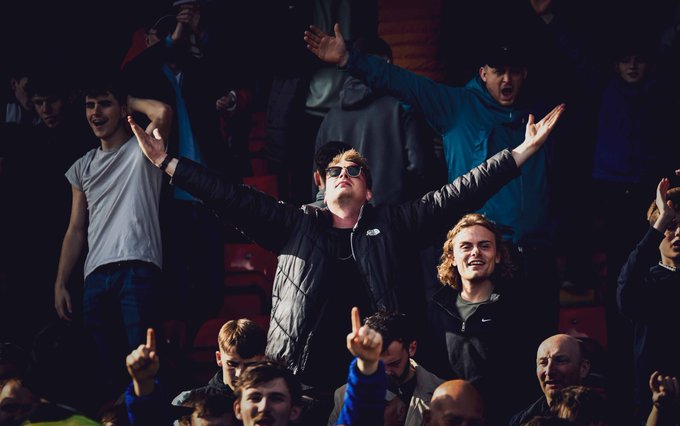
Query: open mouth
(476, 263)
(98, 122)
(506, 92)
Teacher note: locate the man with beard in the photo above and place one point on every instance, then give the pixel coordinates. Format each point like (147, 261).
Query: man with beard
(410, 386)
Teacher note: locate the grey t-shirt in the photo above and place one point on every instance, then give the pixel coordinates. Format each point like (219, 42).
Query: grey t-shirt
(122, 189)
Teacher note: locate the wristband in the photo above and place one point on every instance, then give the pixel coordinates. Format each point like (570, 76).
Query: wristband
(165, 162)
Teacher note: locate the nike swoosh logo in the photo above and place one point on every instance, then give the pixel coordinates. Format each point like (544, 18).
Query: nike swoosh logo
(486, 319)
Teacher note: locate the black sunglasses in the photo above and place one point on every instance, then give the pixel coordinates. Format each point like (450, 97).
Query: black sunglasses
(352, 171)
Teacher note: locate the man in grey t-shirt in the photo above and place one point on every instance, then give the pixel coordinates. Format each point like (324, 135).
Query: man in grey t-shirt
(115, 209)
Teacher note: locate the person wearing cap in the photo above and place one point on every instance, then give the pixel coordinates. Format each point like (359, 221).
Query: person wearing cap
(475, 122)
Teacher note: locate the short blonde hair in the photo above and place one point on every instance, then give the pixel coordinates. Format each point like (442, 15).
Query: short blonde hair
(244, 336)
(354, 156)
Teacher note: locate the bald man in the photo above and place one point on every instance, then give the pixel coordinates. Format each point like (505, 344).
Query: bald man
(559, 363)
(455, 402)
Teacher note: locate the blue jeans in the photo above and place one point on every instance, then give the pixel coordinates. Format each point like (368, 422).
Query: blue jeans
(119, 304)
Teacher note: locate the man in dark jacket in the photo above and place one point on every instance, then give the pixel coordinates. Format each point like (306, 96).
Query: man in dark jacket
(647, 294)
(560, 362)
(348, 254)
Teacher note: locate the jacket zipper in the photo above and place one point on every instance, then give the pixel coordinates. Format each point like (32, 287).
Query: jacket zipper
(351, 246)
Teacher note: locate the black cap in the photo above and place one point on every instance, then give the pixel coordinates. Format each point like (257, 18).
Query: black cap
(504, 54)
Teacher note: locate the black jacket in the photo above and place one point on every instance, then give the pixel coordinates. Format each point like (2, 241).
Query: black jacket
(648, 295)
(538, 408)
(216, 386)
(486, 349)
(384, 244)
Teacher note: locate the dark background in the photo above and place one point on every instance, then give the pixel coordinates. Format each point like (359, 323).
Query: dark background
(85, 34)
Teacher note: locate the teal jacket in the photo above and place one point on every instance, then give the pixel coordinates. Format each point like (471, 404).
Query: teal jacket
(474, 127)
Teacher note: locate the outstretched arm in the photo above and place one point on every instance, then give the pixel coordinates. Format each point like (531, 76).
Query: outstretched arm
(327, 48)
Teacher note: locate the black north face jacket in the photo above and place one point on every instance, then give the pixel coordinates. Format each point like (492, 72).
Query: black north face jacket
(384, 243)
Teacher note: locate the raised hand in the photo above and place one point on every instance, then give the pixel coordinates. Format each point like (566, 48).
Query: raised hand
(665, 206)
(665, 390)
(327, 48)
(536, 134)
(142, 365)
(153, 146)
(365, 344)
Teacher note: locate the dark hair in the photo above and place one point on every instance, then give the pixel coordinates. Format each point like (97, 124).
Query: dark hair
(115, 415)
(548, 421)
(580, 404)
(246, 337)
(210, 405)
(373, 46)
(265, 371)
(393, 326)
(48, 84)
(107, 82)
(326, 153)
(13, 354)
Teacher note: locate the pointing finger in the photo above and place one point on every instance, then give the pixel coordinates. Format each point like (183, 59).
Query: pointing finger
(150, 339)
(356, 320)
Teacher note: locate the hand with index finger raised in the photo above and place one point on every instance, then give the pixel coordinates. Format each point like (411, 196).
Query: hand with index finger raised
(143, 364)
(364, 343)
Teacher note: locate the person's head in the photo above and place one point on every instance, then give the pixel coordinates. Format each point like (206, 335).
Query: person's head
(503, 72)
(632, 59)
(19, 72)
(241, 343)
(455, 402)
(115, 415)
(106, 108)
(160, 29)
(670, 245)
(560, 363)
(16, 401)
(473, 252)
(374, 46)
(580, 404)
(348, 180)
(14, 360)
(50, 96)
(210, 410)
(399, 342)
(548, 421)
(323, 157)
(267, 393)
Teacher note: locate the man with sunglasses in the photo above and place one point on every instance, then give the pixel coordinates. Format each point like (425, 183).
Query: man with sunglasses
(347, 254)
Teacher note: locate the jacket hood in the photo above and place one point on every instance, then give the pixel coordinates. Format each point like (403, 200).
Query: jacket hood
(217, 382)
(355, 94)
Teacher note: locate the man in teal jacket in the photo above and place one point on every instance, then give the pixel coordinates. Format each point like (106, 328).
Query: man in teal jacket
(475, 122)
